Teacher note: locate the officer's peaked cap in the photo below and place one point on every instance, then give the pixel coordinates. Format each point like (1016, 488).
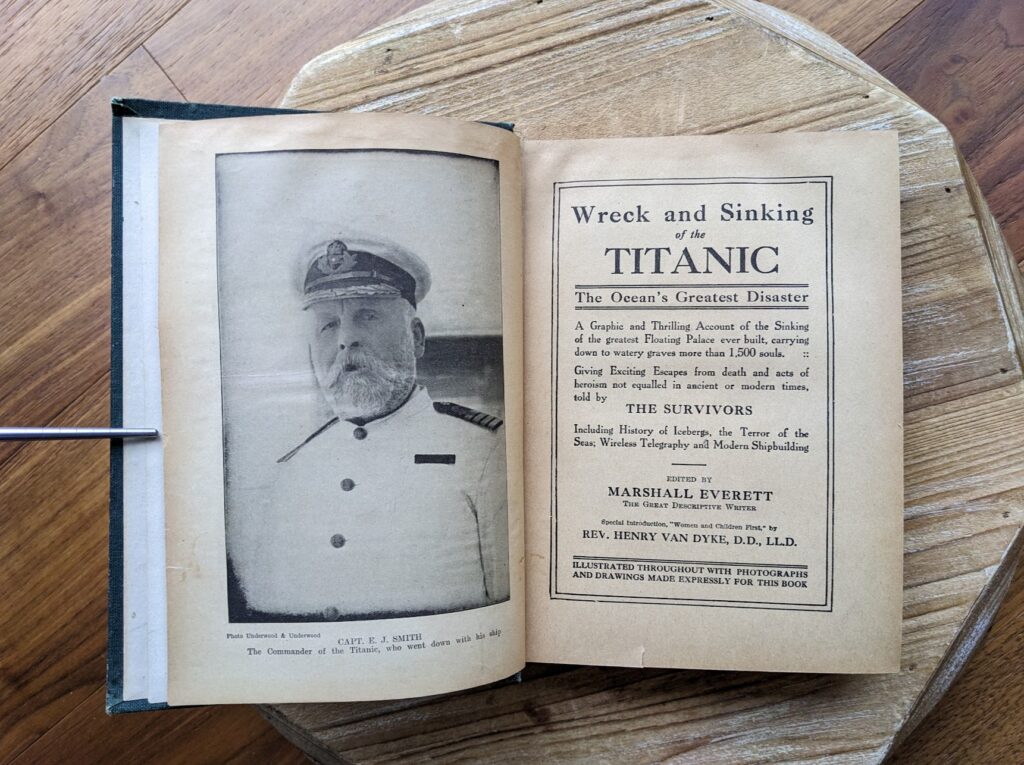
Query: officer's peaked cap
(348, 267)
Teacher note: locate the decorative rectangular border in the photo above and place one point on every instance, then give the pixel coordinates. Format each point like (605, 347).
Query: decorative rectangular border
(827, 183)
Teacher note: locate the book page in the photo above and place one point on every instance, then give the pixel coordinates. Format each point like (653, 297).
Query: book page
(714, 405)
(340, 331)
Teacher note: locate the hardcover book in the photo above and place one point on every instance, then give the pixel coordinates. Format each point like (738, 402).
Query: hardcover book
(436, 400)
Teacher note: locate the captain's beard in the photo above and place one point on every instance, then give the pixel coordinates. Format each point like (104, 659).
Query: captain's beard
(360, 385)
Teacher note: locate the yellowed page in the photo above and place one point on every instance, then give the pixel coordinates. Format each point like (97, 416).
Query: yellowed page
(340, 335)
(714, 404)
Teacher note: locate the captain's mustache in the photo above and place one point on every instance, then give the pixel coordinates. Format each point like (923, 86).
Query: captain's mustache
(355, 360)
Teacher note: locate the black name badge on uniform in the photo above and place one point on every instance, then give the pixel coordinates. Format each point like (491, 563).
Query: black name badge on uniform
(434, 459)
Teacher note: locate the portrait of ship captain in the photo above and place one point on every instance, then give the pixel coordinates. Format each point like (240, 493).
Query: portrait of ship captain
(396, 506)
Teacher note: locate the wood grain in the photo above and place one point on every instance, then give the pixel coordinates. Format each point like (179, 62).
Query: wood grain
(54, 349)
(854, 25)
(978, 721)
(51, 53)
(59, 347)
(229, 734)
(247, 52)
(964, 62)
(687, 67)
(58, 659)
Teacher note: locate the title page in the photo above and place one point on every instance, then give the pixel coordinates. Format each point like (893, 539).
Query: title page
(716, 385)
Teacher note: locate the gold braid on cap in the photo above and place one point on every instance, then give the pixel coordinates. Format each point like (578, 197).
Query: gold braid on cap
(341, 273)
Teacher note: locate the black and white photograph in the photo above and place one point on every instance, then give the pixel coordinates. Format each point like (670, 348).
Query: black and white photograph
(359, 299)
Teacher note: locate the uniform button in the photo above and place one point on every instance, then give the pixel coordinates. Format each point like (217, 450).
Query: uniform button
(359, 433)
(338, 540)
(348, 484)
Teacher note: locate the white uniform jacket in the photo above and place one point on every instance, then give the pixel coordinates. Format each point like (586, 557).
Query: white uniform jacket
(403, 515)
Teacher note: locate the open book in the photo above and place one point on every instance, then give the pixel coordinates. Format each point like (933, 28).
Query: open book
(436, 400)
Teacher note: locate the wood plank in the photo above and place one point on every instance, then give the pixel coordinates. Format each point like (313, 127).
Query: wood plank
(964, 62)
(246, 52)
(221, 734)
(980, 719)
(964, 454)
(54, 316)
(853, 24)
(55, 502)
(55, 245)
(51, 53)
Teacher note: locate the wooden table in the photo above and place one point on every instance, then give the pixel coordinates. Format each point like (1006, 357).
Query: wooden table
(61, 64)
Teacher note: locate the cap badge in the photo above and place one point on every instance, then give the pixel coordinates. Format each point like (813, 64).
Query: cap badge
(338, 258)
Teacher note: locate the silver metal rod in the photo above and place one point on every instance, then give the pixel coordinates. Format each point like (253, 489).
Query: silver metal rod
(48, 434)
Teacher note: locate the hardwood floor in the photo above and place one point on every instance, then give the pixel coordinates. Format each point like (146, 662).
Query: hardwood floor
(60, 64)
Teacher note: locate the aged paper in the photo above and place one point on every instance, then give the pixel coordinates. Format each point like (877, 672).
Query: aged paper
(340, 330)
(714, 403)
